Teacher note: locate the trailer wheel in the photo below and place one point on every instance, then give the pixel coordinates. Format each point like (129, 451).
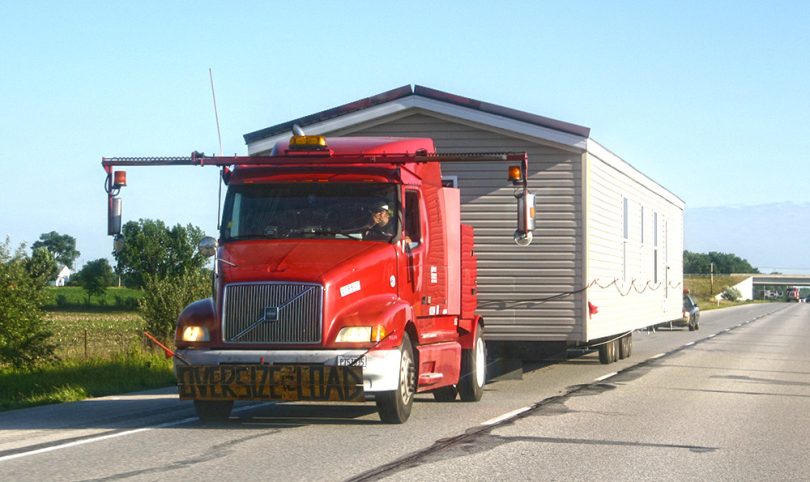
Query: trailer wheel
(213, 411)
(473, 370)
(608, 352)
(625, 346)
(395, 406)
(445, 394)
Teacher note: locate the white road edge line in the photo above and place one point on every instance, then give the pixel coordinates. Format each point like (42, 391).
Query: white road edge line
(114, 435)
(605, 377)
(94, 439)
(505, 416)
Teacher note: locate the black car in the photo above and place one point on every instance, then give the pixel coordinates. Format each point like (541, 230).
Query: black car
(691, 313)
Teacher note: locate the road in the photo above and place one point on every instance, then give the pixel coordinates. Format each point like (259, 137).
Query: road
(728, 402)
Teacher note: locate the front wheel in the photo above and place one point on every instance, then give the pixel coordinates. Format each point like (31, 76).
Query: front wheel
(395, 406)
(473, 370)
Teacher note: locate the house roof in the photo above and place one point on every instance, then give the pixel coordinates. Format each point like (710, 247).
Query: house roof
(426, 95)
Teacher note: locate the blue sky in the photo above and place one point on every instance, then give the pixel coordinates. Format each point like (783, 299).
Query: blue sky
(710, 99)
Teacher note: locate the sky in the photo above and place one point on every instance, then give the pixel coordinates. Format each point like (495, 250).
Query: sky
(709, 98)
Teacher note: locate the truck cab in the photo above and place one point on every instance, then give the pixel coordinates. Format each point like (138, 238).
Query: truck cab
(342, 276)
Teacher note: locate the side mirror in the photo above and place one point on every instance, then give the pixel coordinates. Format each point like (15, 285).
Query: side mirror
(114, 214)
(207, 246)
(525, 217)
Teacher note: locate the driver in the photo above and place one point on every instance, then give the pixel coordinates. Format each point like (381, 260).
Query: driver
(381, 228)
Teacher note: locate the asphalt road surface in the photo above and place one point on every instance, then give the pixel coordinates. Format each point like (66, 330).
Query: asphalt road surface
(728, 402)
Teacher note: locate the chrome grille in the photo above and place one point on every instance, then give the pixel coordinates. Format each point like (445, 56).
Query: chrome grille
(272, 313)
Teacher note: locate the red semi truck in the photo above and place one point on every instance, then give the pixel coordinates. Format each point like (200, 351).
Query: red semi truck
(342, 273)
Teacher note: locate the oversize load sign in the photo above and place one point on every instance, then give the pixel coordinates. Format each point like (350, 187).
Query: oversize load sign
(271, 382)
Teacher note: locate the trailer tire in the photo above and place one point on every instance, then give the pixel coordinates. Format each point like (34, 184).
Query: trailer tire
(608, 352)
(395, 406)
(473, 369)
(445, 394)
(213, 411)
(625, 346)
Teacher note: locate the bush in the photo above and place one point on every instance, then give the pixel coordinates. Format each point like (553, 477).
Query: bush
(731, 293)
(165, 297)
(24, 337)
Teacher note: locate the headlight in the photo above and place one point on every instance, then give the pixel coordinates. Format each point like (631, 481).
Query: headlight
(361, 334)
(354, 334)
(193, 333)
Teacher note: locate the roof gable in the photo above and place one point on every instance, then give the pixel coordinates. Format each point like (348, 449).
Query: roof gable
(431, 100)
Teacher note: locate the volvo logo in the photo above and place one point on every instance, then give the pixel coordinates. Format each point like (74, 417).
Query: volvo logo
(270, 314)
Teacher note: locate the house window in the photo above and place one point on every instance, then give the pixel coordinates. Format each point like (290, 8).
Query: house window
(625, 235)
(642, 224)
(655, 247)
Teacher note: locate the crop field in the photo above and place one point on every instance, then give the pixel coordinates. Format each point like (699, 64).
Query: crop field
(83, 335)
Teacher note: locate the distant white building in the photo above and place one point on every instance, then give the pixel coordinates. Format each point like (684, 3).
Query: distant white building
(63, 276)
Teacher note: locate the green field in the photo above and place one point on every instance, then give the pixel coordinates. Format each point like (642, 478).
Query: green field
(61, 298)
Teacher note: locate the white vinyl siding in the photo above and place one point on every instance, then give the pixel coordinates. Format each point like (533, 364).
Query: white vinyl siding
(632, 290)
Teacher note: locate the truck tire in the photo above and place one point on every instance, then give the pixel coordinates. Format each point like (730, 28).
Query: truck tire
(473, 370)
(445, 394)
(213, 411)
(395, 406)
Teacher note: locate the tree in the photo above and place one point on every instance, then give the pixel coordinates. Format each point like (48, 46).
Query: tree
(152, 248)
(24, 337)
(724, 263)
(95, 276)
(62, 246)
(165, 297)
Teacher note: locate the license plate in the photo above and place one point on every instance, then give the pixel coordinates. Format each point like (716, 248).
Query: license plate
(271, 382)
(348, 360)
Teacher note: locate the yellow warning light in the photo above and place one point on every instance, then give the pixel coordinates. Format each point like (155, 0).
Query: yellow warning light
(514, 174)
(308, 142)
(120, 178)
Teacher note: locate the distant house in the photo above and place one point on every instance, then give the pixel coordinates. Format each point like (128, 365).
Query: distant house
(63, 276)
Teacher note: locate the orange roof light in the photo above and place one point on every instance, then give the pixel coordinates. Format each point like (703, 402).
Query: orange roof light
(514, 174)
(308, 143)
(120, 178)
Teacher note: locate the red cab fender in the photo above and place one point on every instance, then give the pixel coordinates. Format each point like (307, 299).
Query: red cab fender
(394, 315)
(200, 313)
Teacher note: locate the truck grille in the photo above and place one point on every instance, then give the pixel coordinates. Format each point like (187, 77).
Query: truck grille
(272, 313)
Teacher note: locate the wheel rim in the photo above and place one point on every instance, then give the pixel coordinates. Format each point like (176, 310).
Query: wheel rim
(406, 377)
(480, 362)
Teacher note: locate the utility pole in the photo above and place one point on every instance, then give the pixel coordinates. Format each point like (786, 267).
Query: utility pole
(711, 278)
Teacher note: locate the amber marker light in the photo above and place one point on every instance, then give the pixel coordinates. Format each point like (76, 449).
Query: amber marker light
(514, 174)
(120, 178)
(378, 333)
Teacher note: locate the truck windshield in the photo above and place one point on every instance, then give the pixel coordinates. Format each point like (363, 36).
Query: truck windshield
(310, 210)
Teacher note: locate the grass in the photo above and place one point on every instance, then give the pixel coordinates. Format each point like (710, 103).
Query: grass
(74, 298)
(99, 354)
(73, 380)
(700, 287)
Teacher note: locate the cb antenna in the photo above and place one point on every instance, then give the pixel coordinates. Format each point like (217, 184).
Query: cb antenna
(219, 138)
(216, 115)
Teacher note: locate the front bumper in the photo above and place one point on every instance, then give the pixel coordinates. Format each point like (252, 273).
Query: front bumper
(380, 372)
